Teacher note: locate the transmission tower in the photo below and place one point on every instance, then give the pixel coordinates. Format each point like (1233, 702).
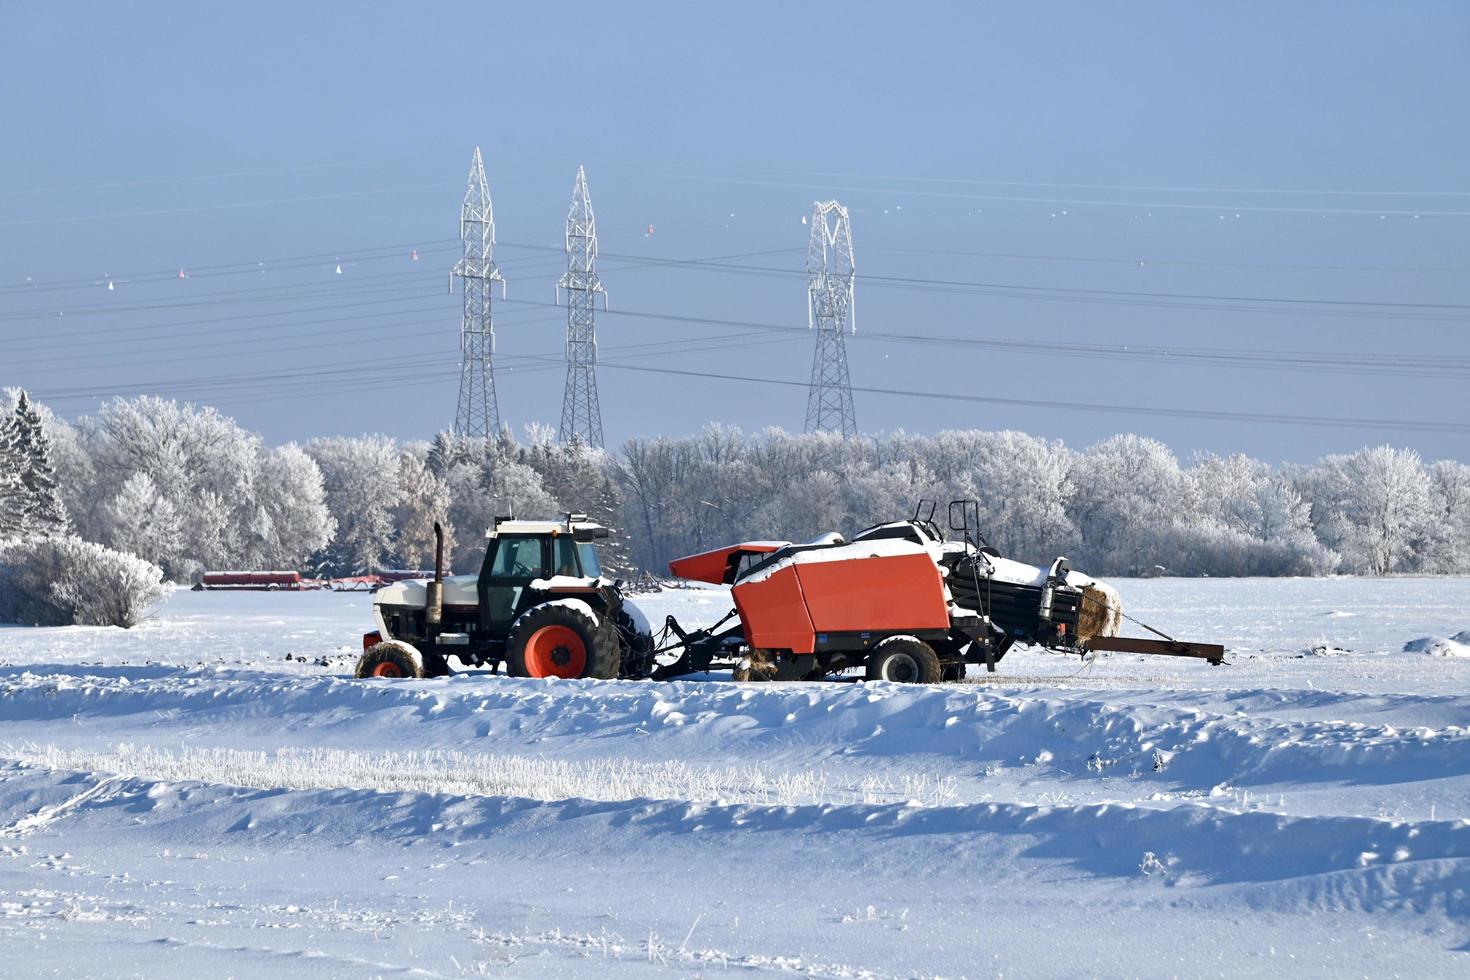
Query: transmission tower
(829, 291)
(581, 418)
(479, 413)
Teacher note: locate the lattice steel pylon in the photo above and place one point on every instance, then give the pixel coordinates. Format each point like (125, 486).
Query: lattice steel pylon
(581, 416)
(830, 277)
(479, 412)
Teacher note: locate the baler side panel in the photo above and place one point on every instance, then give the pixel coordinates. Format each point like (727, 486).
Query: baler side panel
(890, 593)
(774, 613)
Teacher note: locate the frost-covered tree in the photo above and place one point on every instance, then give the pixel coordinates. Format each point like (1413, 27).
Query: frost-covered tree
(360, 477)
(200, 461)
(1449, 529)
(1021, 484)
(293, 521)
(12, 492)
(44, 512)
(423, 499)
(146, 523)
(447, 450)
(491, 483)
(654, 475)
(1125, 490)
(1251, 521)
(1373, 506)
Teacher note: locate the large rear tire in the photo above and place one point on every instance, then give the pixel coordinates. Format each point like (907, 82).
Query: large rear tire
(905, 660)
(390, 659)
(636, 646)
(561, 641)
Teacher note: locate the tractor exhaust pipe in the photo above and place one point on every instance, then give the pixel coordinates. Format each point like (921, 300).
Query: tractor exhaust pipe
(434, 599)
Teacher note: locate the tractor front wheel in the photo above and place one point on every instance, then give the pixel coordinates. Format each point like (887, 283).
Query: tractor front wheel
(390, 659)
(561, 641)
(906, 660)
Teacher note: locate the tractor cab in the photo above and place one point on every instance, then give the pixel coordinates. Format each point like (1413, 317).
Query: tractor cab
(528, 559)
(540, 604)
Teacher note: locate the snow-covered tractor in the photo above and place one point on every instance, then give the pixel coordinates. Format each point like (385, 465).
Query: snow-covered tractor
(539, 604)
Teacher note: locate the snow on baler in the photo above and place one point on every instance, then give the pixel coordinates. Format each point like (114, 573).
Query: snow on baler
(898, 600)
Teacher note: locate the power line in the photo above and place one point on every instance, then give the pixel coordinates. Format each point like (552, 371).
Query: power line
(1080, 202)
(1300, 192)
(1248, 417)
(156, 212)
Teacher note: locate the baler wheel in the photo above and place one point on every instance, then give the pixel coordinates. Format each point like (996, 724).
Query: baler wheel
(390, 659)
(906, 660)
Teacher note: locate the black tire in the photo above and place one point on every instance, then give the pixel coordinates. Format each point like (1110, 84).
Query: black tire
(905, 660)
(954, 672)
(598, 641)
(435, 665)
(636, 648)
(390, 659)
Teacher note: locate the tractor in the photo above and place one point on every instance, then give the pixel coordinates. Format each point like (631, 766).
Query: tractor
(539, 604)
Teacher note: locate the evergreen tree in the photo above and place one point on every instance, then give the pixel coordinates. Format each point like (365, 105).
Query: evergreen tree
(446, 451)
(43, 511)
(12, 491)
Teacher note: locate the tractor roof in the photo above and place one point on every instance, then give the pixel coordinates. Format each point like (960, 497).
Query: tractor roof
(571, 523)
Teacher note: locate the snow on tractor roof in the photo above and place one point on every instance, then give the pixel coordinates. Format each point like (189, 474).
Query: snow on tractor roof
(575, 523)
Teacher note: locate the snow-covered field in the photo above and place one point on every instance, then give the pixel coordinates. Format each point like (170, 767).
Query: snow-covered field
(210, 794)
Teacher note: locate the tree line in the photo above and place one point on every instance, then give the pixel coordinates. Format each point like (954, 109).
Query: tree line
(188, 489)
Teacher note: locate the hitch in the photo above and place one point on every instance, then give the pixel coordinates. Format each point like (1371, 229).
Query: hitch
(1214, 653)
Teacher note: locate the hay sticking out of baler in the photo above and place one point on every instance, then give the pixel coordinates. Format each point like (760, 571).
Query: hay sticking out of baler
(1101, 613)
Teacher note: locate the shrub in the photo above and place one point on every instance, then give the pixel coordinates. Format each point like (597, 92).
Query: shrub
(65, 581)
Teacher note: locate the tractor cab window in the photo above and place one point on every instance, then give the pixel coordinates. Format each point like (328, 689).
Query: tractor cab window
(590, 565)
(517, 558)
(564, 553)
(575, 558)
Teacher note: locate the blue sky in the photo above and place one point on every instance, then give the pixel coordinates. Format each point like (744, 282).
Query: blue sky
(1059, 174)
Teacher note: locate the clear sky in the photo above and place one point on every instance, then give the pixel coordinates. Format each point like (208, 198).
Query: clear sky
(1283, 183)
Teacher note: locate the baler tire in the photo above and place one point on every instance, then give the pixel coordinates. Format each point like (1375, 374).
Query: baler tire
(544, 624)
(908, 655)
(954, 672)
(435, 665)
(390, 659)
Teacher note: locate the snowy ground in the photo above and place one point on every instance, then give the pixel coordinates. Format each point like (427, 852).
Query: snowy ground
(210, 794)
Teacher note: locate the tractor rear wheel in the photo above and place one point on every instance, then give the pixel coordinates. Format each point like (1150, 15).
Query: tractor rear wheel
(390, 659)
(561, 641)
(906, 660)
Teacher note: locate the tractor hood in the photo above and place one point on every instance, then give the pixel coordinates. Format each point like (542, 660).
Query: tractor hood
(459, 590)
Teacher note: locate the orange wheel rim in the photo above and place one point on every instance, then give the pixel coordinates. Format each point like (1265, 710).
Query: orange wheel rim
(556, 651)
(387, 669)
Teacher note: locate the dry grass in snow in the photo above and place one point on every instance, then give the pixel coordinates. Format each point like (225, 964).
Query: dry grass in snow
(467, 774)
